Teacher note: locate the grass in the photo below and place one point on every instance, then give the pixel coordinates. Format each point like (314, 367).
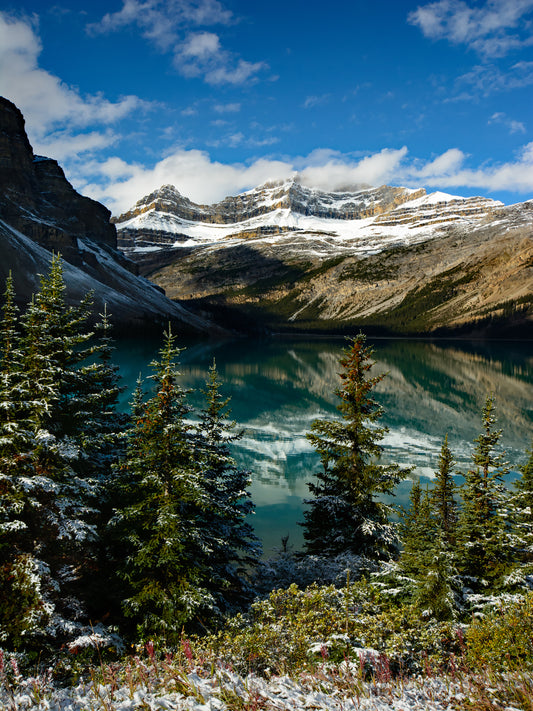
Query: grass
(353, 642)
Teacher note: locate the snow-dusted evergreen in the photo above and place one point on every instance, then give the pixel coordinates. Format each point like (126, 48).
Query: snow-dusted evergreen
(345, 513)
(521, 522)
(229, 546)
(162, 497)
(482, 543)
(47, 465)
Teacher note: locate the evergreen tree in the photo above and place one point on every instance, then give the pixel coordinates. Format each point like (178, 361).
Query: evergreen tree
(521, 522)
(417, 533)
(427, 556)
(45, 451)
(229, 545)
(345, 514)
(524, 507)
(443, 503)
(482, 543)
(435, 592)
(22, 608)
(100, 436)
(162, 499)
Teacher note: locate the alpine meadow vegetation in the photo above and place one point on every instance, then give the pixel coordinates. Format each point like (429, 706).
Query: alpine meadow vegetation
(130, 531)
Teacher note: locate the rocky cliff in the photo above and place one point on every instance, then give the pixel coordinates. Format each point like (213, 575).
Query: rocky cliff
(388, 259)
(41, 213)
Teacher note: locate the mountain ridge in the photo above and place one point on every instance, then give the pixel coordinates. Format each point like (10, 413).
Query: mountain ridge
(395, 259)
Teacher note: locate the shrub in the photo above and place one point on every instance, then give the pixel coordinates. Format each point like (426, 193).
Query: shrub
(293, 630)
(503, 639)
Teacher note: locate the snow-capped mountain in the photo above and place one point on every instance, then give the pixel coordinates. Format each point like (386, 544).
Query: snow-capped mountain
(363, 221)
(394, 259)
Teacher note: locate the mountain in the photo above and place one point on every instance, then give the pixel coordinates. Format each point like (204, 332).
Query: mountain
(41, 213)
(389, 259)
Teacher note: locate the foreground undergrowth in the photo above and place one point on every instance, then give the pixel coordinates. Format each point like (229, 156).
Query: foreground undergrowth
(321, 648)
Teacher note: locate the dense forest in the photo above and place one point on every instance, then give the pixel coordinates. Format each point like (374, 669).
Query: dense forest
(119, 529)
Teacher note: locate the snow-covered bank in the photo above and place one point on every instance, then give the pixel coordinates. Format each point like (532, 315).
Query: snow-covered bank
(327, 690)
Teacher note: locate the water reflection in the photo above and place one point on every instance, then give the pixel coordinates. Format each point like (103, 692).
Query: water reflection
(279, 386)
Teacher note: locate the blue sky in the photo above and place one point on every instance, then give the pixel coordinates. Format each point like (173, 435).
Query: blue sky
(218, 96)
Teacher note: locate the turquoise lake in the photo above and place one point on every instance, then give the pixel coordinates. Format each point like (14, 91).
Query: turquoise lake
(279, 386)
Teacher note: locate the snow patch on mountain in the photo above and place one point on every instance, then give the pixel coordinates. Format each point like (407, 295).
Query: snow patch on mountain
(287, 211)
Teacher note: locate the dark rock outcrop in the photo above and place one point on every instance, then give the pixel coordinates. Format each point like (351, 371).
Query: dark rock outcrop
(37, 199)
(41, 214)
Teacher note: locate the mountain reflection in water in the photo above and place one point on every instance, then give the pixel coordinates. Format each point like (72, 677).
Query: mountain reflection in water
(279, 386)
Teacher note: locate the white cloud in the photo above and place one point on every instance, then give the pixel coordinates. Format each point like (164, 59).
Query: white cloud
(200, 46)
(201, 55)
(511, 124)
(493, 28)
(220, 70)
(446, 164)
(162, 21)
(192, 172)
(55, 113)
(197, 176)
(227, 108)
(173, 26)
(488, 79)
(316, 100)
(448, 171)
(338, 174)
(62, 145)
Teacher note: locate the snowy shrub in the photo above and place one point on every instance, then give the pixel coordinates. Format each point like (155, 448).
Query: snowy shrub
(287, 568)
(503, 638)
(297, 629)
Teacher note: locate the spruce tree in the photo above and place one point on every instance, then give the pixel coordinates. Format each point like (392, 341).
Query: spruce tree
(417, 532)
(443, 502)
(427, 557)
(229, 547)
(345, 514)
(521, 524)
(482, 543)
(46, 456)
(22, 607)
(157, 524)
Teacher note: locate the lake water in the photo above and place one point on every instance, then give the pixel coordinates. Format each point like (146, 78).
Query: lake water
(279, 386)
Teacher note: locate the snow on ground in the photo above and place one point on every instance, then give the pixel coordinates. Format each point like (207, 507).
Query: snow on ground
(225, 690)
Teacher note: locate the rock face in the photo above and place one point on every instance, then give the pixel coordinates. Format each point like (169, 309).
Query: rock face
(41, 213)
(390, 259)
(286, 195)
(35, 195)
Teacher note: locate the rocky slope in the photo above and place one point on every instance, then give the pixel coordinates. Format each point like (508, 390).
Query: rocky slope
(41, 213)
(284, 256)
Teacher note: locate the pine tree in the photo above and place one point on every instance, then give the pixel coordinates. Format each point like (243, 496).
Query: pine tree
(435, 592)
(45, 453)
(100, 436)
(482, 548)
(443, 502)
(162, 495)
(417, 532)
(229, 545)
(22, 608)
(427, 556)
(345, 514)
(521, 523)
